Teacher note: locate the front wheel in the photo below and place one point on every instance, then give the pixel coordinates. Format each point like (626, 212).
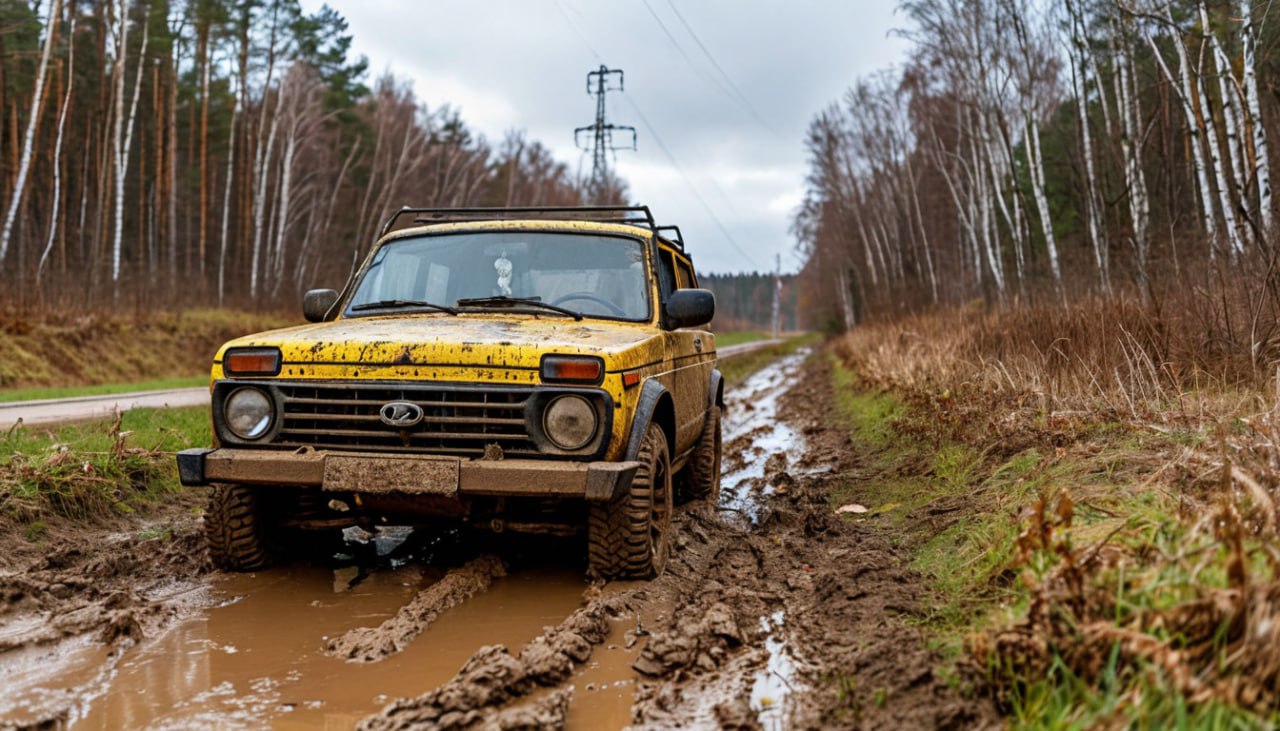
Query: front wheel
(630, 537)
(235, 528)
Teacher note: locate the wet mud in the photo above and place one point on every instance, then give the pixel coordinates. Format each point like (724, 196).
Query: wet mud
(774, 612)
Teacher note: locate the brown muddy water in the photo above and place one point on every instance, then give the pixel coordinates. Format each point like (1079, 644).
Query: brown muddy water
(248, 651)
(256, 657)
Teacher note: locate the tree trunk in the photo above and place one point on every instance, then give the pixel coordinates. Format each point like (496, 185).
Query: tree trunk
(28, 139)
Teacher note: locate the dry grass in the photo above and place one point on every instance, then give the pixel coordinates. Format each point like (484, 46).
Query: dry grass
(1163, 606)
(87, 349)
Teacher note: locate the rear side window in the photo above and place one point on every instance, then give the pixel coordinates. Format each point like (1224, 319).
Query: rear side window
(687, 280)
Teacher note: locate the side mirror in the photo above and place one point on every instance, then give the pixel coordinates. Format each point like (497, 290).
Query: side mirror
(690, 307)
(316, 303)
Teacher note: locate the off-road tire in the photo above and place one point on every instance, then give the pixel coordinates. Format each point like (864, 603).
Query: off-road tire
(630, 537)
(235, 529)
(702, 475)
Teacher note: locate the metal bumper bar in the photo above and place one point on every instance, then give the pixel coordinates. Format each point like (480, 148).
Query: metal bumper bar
(406, 474)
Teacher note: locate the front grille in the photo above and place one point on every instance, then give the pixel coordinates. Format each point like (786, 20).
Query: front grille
(457, 420)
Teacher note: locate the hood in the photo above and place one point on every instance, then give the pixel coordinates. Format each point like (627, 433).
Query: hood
(508, 341)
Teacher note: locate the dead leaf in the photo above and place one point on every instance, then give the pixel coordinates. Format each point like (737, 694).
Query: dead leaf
(851, 508)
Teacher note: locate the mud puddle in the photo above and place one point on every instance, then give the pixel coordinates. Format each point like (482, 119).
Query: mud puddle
(258, 660)
(754, 436)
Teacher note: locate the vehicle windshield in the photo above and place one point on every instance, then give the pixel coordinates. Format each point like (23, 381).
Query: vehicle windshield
(597, 276)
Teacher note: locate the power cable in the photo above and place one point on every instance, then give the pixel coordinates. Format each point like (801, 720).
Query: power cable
(741, 98)
(724, 231)
(711, 78)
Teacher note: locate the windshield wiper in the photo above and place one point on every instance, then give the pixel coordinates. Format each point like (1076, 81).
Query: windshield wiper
(402, 304)
(504, 301)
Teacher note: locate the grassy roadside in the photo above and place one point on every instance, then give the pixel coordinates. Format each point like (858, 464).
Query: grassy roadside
(1093, 568)
(96, 469)
(102, 389)
(56, 352)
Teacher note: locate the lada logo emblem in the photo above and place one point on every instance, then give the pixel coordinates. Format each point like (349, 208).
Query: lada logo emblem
(400, 414)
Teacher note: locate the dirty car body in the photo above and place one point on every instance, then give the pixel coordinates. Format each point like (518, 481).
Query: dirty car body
(538, 370)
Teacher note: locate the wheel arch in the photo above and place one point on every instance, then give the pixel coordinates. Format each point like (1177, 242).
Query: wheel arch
(654, 407)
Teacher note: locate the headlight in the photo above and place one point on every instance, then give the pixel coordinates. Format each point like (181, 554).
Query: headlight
(248, 412)
(569, 422)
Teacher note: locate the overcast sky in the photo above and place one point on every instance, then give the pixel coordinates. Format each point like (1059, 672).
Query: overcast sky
(733, 136)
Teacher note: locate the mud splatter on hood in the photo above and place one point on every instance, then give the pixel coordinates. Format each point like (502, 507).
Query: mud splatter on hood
(512, 341)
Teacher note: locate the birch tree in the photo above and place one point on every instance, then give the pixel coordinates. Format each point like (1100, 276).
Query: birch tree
(57, 153)
(28, 138)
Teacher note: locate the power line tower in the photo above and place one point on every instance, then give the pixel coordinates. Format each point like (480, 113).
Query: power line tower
(601, 133)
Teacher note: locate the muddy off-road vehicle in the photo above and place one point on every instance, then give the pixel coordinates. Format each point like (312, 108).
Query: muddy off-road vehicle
(543, 370)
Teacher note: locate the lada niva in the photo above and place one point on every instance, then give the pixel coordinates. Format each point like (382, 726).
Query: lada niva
(544, 370)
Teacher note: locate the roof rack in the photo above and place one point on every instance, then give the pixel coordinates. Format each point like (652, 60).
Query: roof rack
(674, 237)
(630, 215)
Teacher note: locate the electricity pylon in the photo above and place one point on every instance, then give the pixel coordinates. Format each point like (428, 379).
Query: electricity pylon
(598, 83)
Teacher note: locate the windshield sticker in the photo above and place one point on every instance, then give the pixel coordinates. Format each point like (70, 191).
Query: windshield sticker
(503, 267)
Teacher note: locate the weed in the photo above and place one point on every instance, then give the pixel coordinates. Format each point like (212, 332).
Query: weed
(88, 470)
(1103, 547)
(36, 530)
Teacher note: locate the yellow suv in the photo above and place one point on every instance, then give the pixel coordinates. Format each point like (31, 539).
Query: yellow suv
(544, 370)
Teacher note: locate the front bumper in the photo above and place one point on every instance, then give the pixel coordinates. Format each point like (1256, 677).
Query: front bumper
(366, 472)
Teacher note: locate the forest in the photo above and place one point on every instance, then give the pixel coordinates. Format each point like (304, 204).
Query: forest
(189, 153)
(1033, 151)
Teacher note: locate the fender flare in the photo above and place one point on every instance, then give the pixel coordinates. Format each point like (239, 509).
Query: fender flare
(650, 394)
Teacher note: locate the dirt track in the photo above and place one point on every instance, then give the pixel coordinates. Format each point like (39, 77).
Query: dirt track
(774, 613)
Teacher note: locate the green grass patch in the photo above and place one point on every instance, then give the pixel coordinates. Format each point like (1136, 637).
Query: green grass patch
(737, 337)
(158, 384)
(92, 469)
(958, 504)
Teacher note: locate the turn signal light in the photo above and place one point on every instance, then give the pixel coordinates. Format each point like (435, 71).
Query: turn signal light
(251, 362)
(572, 369)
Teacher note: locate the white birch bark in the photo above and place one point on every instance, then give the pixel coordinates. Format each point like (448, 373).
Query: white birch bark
(123, 145)
(1130, 113)
(1182, 86)
(57, 151)
(1216, 167)
(1261, 161)
(1029, 97)
(846, 306)
(1093, 205)
(261, 186)
(29, 137)
(924, 235)
(1232, 118)
(226, 202)
(286, 198)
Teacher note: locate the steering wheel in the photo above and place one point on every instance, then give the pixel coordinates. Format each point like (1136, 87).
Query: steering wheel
(611, 307)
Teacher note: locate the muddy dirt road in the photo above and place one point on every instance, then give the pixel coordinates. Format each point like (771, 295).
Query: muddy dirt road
(773, 613)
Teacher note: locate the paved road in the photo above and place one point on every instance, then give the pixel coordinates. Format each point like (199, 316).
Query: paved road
(84, 408)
